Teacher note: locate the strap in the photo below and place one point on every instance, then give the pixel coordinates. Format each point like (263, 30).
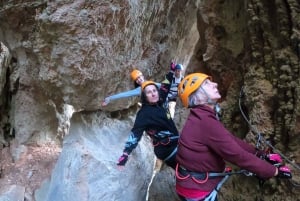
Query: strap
(173, 152)
(174, 137)
(212, 196)
(201, 175)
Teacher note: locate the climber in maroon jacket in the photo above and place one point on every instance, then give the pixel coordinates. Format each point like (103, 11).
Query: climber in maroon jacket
(205, 144)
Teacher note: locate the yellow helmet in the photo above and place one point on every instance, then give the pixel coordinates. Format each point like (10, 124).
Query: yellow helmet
(135, 74)
(190, 84)
(146, 83)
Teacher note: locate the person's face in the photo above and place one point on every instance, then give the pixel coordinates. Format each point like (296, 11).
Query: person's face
(177, 73)
(151, 94)
(211, 89)
(140, 80)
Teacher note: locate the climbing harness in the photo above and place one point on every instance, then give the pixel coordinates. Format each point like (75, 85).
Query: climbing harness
(164, 141)
(202, 177)
(260, 139)
(163, 138)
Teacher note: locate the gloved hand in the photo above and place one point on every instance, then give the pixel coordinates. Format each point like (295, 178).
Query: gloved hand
(172, 66)
(274, 159)
(284, 172)
(123, 159)
(105, 102)
(228, 169)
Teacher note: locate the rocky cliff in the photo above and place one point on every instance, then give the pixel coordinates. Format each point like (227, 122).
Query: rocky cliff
(60, 59)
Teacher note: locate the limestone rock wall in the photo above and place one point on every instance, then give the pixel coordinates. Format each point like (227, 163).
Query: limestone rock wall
(59, 59)
(254, 45)
(68, 53)
(65, 57)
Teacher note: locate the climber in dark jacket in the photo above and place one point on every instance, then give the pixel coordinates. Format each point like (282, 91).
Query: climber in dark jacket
(156, 121)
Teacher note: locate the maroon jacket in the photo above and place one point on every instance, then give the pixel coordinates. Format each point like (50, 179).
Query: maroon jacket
(205, 144)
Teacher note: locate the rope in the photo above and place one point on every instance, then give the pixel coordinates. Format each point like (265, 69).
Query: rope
(261, 138)
(212, 196)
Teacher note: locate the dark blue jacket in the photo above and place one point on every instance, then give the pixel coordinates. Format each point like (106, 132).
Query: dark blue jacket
(156, 121)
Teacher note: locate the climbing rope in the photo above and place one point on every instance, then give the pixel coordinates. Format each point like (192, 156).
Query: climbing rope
(260, 139)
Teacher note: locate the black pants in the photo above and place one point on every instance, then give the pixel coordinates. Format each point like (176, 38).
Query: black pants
(163, 151)
(172, 162)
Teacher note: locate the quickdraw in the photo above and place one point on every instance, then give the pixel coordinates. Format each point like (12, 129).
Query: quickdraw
(260, 139)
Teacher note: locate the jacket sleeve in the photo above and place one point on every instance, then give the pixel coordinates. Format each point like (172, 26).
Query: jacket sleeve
(225, 145)
(125, 94)
(164, 90)
(132, 142)
(135, 134)
(169, 76)
(246, 146)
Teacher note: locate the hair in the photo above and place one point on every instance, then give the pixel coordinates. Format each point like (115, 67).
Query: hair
(196, 98)
(136, 85)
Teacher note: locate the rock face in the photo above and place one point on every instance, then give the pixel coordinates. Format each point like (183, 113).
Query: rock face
(86, 167)
(60, 59)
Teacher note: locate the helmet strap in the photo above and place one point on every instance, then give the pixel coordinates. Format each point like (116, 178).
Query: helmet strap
(215, 105)
(209, 101)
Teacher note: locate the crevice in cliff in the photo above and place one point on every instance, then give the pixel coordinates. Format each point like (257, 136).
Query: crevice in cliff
(5, 108)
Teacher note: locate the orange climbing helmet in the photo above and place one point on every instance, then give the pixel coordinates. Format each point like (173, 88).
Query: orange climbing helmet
(135, 74)
(190, 84)
(146, 83)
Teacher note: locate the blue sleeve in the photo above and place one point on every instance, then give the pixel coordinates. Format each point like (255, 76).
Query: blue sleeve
(126, 94)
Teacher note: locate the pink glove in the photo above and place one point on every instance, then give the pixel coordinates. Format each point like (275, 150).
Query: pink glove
(172, 66)
(123, 159)
(274, 159)
(284, 172)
